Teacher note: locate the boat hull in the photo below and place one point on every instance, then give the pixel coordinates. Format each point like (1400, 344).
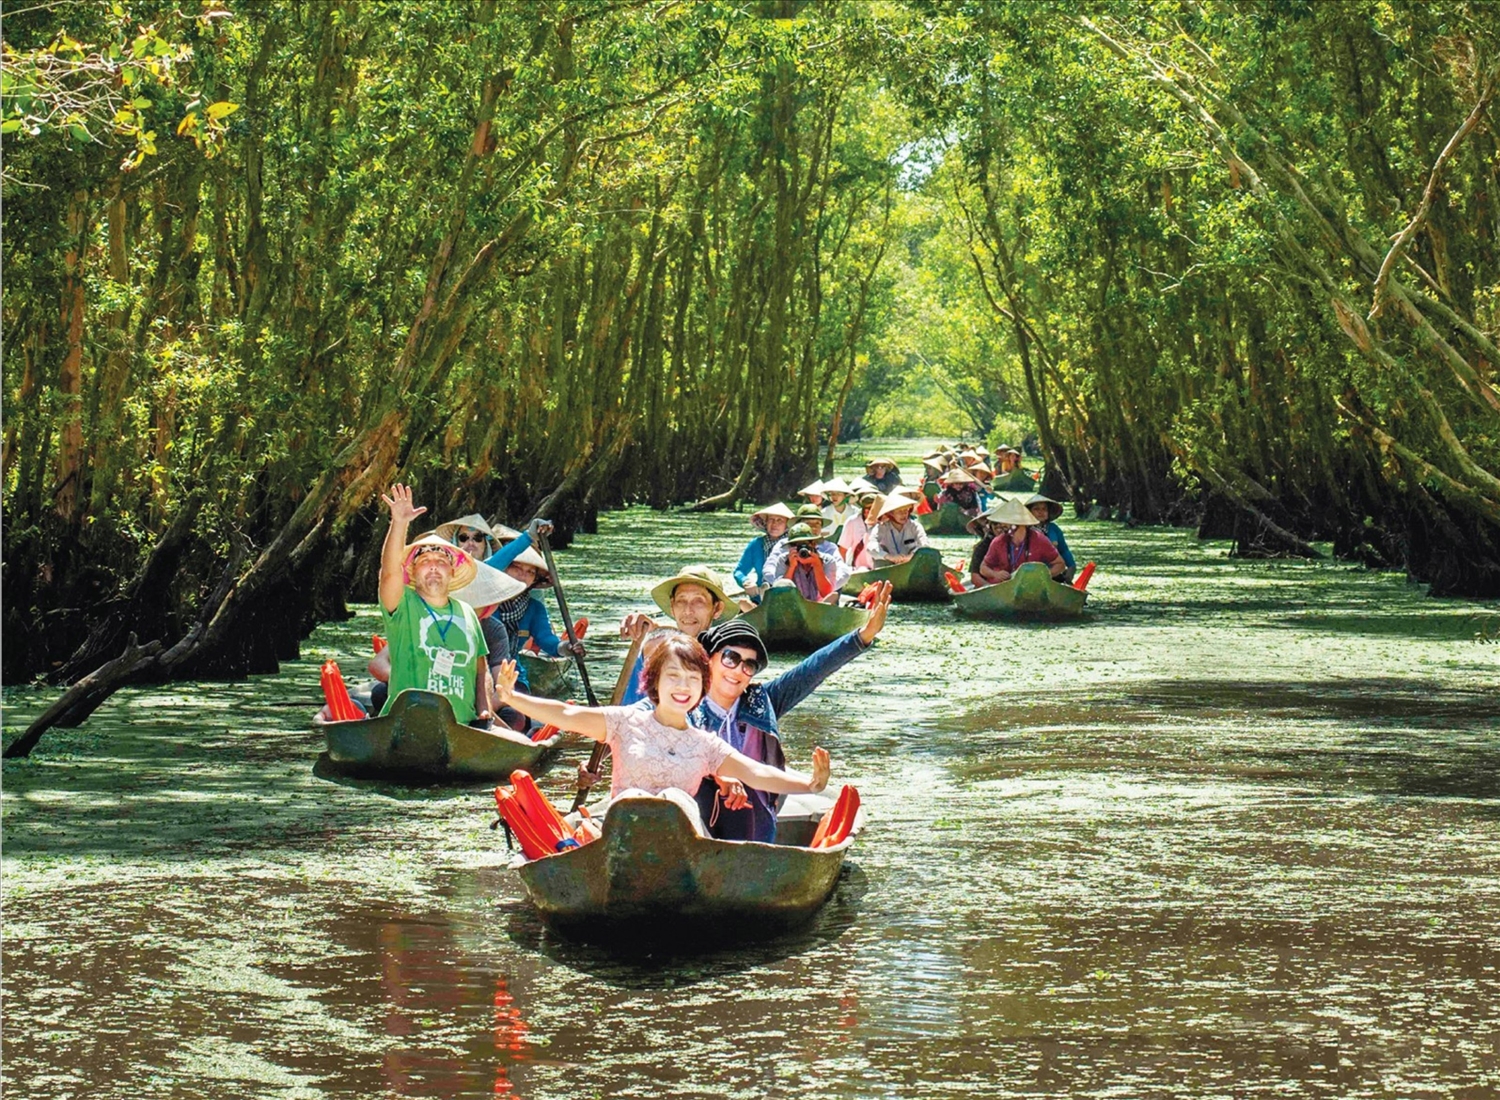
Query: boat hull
(950, 519)
(419, 740)
(651, 878)
(915, 581)
(1031, 593)
(786, 621)
(550, 677)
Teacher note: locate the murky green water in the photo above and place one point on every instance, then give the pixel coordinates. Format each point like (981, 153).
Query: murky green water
(1236, 834)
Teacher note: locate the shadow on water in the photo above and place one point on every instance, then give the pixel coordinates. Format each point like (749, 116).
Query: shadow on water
(669, 962)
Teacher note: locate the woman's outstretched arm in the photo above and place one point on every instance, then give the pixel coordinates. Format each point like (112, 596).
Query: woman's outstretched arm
(588, 721)
(763, 777)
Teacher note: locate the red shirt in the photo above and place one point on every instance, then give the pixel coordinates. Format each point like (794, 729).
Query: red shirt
(1008, 555)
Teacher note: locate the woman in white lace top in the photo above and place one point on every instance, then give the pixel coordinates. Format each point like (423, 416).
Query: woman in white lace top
(658, 751)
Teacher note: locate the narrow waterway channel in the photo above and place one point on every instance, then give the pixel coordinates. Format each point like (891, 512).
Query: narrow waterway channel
(1237, 833)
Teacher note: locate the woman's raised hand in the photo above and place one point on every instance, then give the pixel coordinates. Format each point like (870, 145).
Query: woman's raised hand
(505, 683)
(821, 766)
(878, 613)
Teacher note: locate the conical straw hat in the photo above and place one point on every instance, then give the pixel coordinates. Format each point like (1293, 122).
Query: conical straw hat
(489, 586)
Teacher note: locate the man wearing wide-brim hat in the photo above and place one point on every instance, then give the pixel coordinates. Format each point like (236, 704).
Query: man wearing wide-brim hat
(896, 536)
(802, 556)
(436, 642)
(694, 597)
(1017, 543)
(882, 473)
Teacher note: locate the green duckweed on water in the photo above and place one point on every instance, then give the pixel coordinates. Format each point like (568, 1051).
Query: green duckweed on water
(1235, 833)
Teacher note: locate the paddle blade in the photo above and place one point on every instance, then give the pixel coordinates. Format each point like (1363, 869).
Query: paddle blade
(838, 822)
(1084, 577)
(378, 643)
(581, 627)
(954, 581)
(340, 707)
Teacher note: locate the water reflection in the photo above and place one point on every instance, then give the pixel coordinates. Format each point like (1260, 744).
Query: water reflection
(1235, 834)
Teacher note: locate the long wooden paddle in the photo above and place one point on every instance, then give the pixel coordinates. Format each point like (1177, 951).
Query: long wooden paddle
(596, 758)
(562, 606)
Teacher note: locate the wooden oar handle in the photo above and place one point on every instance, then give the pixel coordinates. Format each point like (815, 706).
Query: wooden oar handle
(562, 606)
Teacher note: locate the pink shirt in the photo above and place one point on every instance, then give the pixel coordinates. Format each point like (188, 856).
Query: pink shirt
(852, 542)
(1009, 555)
(653, 757)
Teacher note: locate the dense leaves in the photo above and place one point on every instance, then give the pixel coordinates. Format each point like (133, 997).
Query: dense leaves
(1232, 262)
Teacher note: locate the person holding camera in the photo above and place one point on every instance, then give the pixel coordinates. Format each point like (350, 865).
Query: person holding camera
(810, 563)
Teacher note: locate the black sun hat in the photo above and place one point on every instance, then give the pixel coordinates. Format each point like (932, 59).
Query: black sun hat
(733, 632)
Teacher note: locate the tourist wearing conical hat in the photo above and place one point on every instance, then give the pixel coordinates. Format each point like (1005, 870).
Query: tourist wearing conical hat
(857, 527)
(882, 473)
(795, 557)
(772, 521)
(812, 493)
(896, 535)
(1019, 542)
(525, 616)
(961, 488)
(1010, 477)
(436, 642)
(1046, 511)
(472, 534)
(839, 507)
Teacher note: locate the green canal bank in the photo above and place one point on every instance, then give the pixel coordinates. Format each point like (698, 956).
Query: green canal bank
(1235, 833)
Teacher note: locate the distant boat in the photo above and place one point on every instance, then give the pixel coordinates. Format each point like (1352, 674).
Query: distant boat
(419, 740)
(1029, 593)
(920, 579)
(950, 519)
(551, 677)
(651, 878)
(785, 619)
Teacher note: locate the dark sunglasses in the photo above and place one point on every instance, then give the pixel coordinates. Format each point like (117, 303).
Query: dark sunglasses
(472, 536)
(731, 659)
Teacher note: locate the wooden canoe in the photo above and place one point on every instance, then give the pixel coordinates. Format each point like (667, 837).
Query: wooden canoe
(552, 677)
(920, 579)
(419, 740)
(785, 619)
(950, 519)
(651, 878)
(1031, 593)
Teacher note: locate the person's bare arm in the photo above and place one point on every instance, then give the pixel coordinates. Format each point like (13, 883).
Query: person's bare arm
(482, 687)
(403, 511)
(1058, 566)
(993, 576)
(588, 721)
(763, 777)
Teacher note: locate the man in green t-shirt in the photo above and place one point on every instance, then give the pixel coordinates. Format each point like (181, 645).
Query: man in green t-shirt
(436, 641)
